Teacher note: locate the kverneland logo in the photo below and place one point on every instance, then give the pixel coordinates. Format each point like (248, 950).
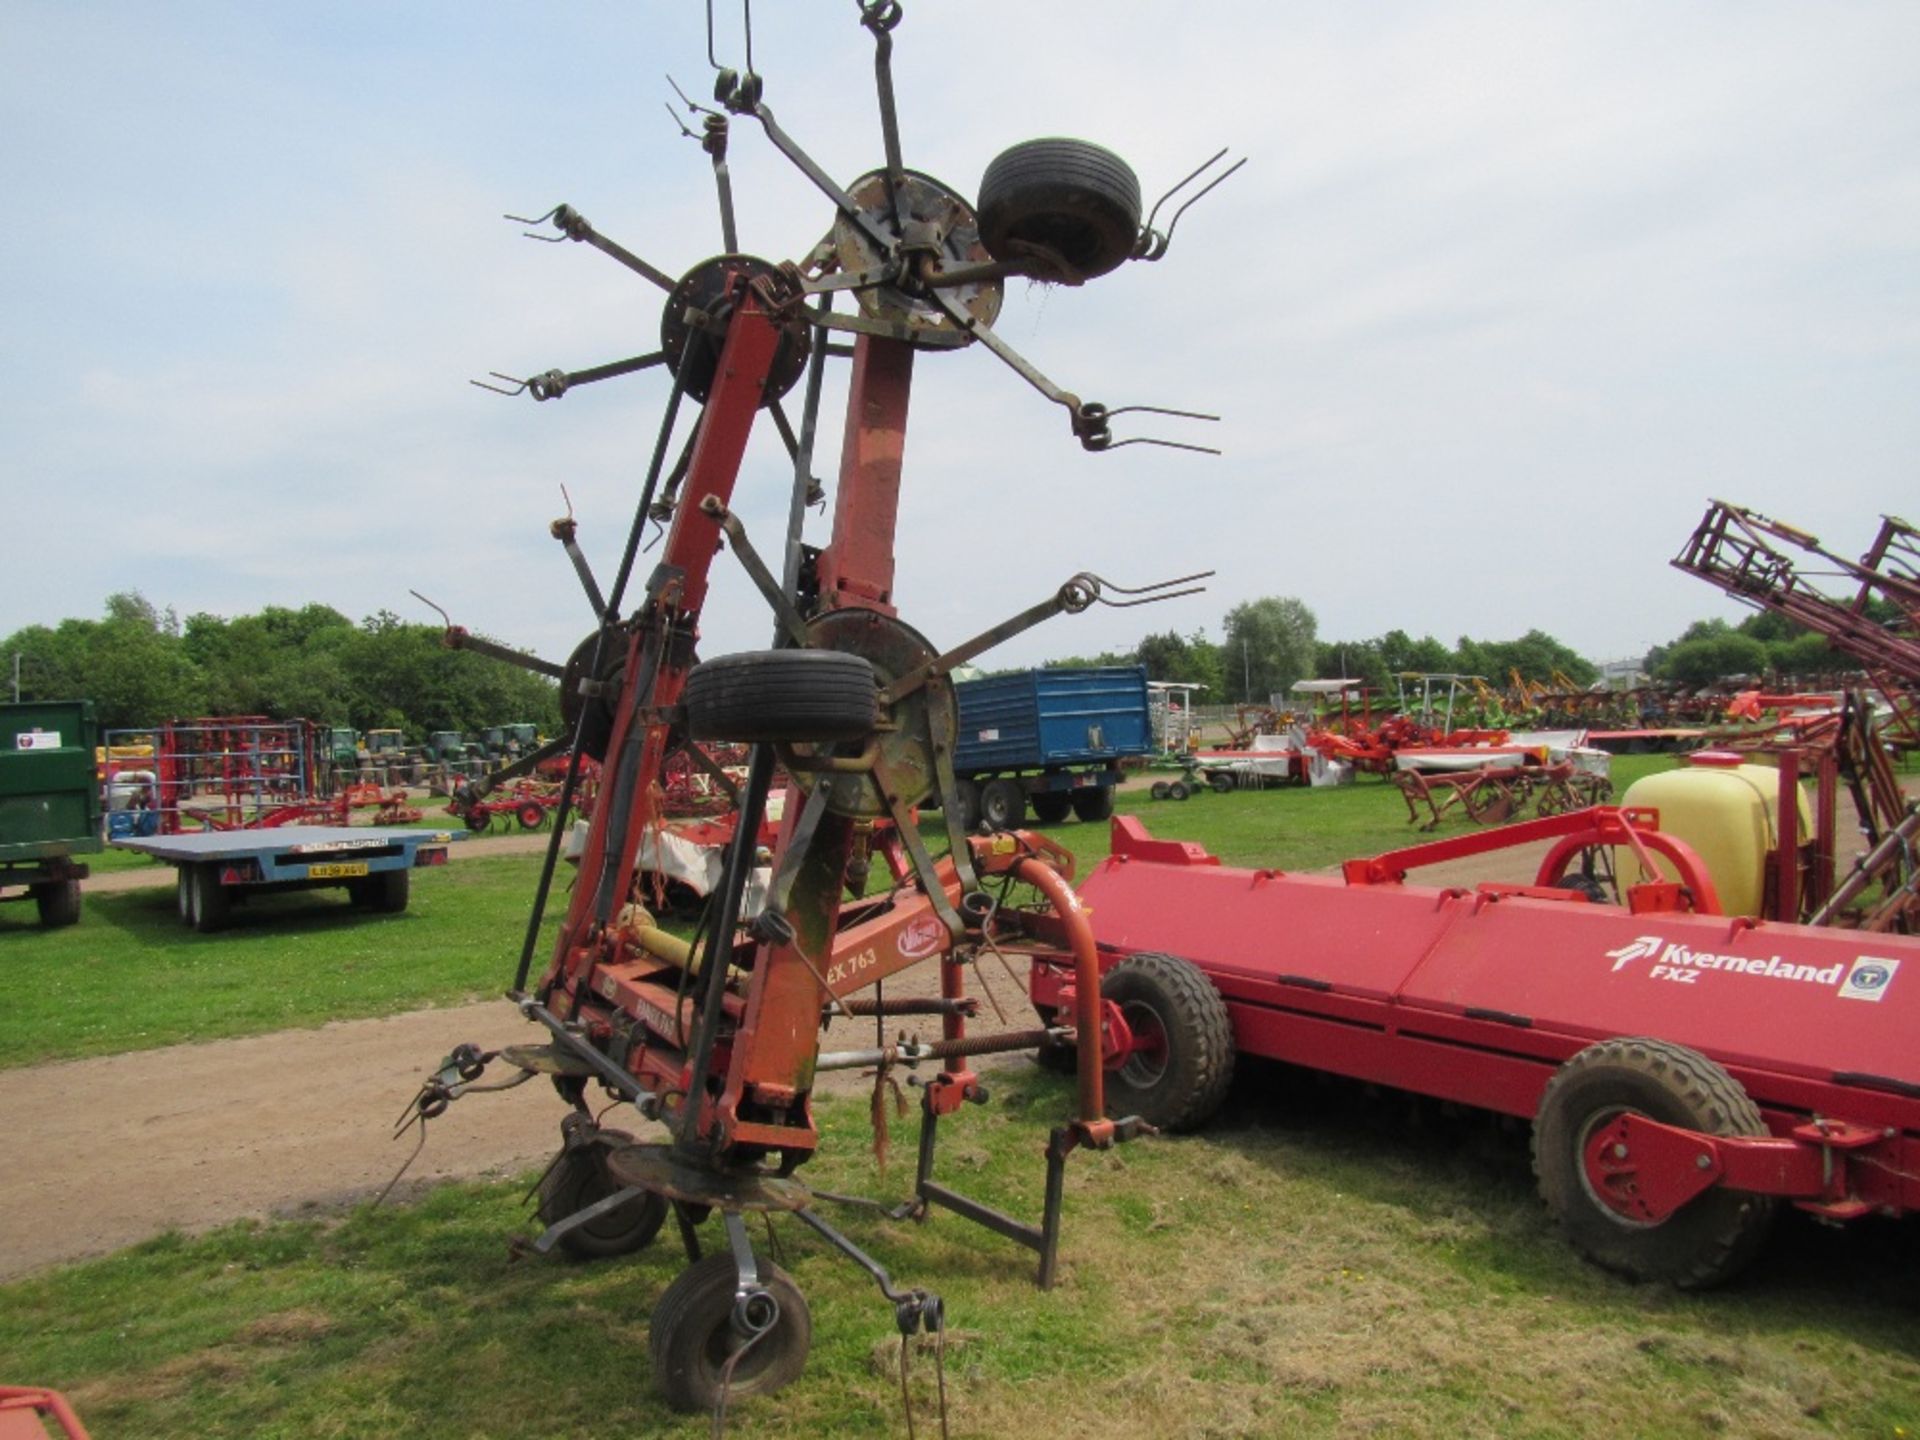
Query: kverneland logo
(1675, 961)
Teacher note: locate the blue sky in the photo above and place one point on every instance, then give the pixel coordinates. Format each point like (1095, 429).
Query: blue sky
(1505, 295)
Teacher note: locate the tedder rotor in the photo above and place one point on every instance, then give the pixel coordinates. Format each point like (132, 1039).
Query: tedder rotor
(718, 1038)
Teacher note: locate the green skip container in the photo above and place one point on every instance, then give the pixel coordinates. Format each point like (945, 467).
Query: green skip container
(49, 804)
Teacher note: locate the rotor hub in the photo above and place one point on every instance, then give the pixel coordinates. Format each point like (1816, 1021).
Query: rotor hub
(693, 323)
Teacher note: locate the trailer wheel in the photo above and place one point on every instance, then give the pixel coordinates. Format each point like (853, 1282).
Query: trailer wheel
(782, 696)
(183, 893)
(692, 1336)
(1220, 781)
(1050, 807)
(1707, 1240)
(1076, 199)
(58, 902)
(1094, 804)
(1182, 1062)
(578, 1178)
(1160, 790)
(212, 901)
(390, 890)
(1179, 790)
(1003, 804)
(532, 815)
(967, 804)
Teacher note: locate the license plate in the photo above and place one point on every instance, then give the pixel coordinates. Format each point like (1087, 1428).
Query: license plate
(335, 872)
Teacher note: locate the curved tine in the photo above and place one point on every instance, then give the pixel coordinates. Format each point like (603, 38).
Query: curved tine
(543, 239)
(1176, 189)
(693, 105)
(1101, 583)
(1148, 600)
(519, 385)
(446, 619)
(1174, 223)
(674, 115)
(1164, 444)
(1160, 410)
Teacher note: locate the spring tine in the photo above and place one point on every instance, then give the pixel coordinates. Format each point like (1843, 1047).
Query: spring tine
(674, 115)
(1164, 444)
(1206, 190)
(1151, 599)
(519, 386)
(1161, 410)
(692, 105)
(1182, 185)
(1100, 583)
(543, 239)
(445, 618)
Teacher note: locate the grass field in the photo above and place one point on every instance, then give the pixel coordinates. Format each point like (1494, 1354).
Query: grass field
(1317, 1263)
(1320, 1261)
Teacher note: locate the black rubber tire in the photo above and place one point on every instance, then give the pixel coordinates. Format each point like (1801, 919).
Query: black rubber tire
(1003, 804)
(1074, 198)
(531, 815)
(212, 901)
(1052, 1058)
(967, 796)
(58, 902)
(1220, 781)
(477, 820)
(578, 1179)
(1094, 804)
(1179, 790)
(692, 1335)
(389, 891)
(1184, 1085)
(1160, 790)
(782, 696)
(1706, 1241)
(1050, 807)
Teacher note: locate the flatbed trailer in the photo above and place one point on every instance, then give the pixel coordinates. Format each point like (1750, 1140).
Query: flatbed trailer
(218, 867)
(1684, 1070)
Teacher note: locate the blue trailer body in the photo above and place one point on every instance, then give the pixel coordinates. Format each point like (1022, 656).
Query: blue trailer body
(1055, 737)
(217, 866)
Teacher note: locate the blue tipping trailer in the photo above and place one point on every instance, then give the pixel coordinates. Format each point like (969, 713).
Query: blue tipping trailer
(218, 867)
(1050, 738)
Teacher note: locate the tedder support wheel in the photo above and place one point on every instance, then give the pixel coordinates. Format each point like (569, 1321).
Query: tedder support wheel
(1003, 804)
(1182, 1059)
(1094, 804)
(58, 902)
(1704, 1242)
(782, 695)
(212, 904)
(1078, 200)
(531, 815)
(693, 1336)
(1050, 807)
(578, 1178)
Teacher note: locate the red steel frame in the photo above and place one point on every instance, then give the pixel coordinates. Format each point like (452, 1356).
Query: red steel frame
(599, 975)
(1478, 995)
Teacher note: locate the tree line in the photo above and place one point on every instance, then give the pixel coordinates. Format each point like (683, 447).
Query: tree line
(141, 665)
(1271, 642)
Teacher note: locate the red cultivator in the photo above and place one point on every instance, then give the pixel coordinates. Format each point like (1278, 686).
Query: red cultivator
(719, 1038)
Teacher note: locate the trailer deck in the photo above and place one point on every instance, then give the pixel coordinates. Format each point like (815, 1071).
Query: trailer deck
(217, 867)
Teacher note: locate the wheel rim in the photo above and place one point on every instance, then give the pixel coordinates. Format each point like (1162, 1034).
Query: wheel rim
(1146, 1062)
(1610, 1177)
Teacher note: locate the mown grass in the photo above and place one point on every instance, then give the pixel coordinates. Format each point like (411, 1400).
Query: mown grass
(1316, 1263)
(130, 977)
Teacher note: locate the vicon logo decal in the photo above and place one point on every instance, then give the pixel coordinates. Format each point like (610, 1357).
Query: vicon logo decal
(1675, 962)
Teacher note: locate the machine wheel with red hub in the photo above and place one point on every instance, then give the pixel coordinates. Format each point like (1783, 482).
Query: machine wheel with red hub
(1094, 803)
(1181, 1061)
(1050, 807)
(783, 696)
(1592, 1188)
(579, 1178)
(693, 1336)
(477, 818)
(531, 814)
